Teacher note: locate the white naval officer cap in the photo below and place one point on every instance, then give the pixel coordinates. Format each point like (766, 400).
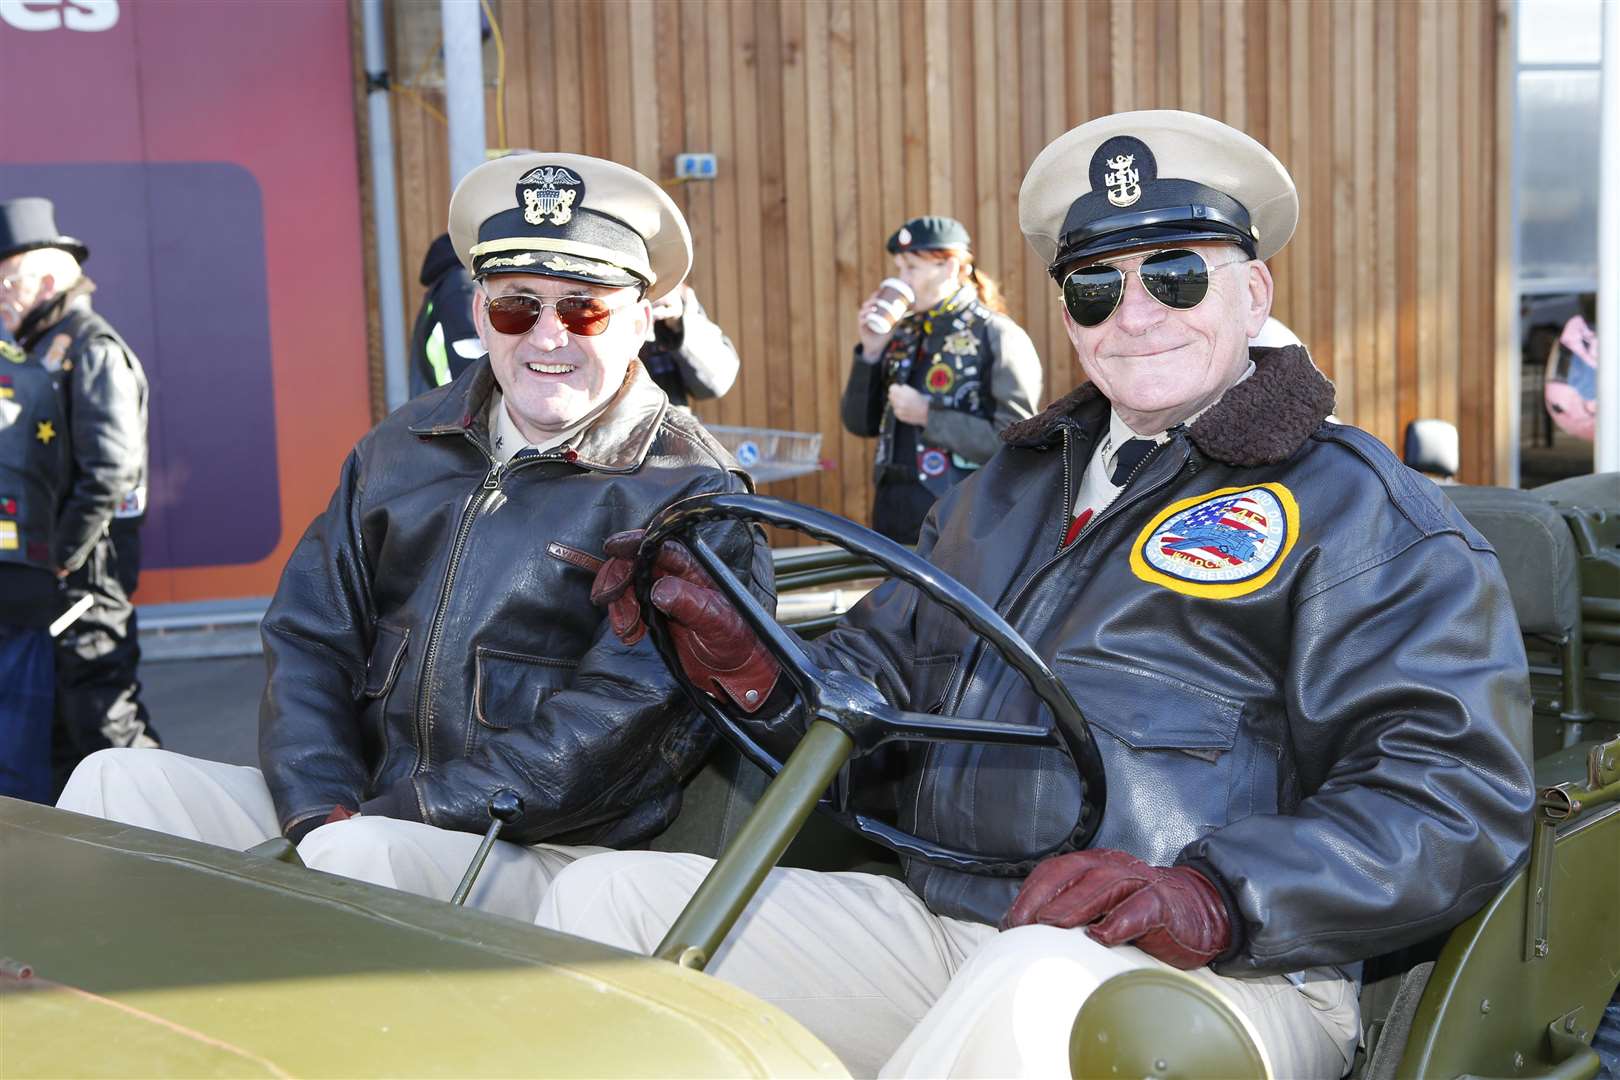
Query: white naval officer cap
(570, 216)
(1150, 178)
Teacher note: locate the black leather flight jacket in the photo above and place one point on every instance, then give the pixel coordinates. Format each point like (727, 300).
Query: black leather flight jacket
(1331, 722)
(103, 399)
(433, 639)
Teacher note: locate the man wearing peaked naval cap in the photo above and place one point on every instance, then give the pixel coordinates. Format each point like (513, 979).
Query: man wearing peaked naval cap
(433, 640)
(1298, 663)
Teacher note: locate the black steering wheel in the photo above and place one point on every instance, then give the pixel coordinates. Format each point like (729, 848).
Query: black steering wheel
(851, 703)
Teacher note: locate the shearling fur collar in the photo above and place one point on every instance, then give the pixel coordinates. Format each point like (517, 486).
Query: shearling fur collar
(1260, 421)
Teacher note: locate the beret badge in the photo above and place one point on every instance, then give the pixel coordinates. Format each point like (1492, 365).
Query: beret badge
(548, 193)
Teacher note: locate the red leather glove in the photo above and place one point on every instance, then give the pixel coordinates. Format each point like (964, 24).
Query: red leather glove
(611, 589)
(1172, 913)
(716, 648)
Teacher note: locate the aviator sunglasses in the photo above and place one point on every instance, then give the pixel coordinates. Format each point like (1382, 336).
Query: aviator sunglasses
(516, 313)
(1178, 278)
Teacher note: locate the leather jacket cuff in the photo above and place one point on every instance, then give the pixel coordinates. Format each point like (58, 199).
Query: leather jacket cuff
(300, 829)
(398, 802)
(1234, 917)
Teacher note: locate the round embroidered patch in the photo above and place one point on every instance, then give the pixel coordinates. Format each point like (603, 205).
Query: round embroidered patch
(941, 377)
(748, 453)
(931, 463)
(1221, 544)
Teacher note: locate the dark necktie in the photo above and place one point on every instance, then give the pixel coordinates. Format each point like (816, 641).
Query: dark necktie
(1128, 458)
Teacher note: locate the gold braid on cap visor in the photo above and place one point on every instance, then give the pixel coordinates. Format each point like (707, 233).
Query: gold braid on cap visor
(567, 247)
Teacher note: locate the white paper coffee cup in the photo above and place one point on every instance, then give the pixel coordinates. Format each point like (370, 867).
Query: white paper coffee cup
(894, 297)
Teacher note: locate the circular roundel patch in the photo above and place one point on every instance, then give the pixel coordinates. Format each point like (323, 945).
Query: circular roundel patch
(748, 453)
(1220, 544)
(941, 377)
(932, 462)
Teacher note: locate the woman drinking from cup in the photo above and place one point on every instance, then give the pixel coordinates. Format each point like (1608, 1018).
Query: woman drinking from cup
(939, 371)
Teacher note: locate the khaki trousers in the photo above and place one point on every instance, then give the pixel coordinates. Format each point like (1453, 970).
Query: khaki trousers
(229, 805)
(896, 990)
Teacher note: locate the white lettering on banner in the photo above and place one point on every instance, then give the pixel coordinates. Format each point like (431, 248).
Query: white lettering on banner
(83, 15)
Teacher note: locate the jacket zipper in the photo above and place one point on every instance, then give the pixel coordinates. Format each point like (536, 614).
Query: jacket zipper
(475, 503)
(1068, 504)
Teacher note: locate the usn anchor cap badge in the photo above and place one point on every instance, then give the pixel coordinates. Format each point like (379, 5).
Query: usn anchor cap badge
(1123, 188)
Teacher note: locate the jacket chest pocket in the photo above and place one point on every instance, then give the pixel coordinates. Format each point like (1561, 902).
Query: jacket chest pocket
(387, 657)
(510, 687)
(1168, 753)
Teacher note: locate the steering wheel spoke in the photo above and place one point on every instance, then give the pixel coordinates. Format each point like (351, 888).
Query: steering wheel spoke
(853, 705)
(930, 727)
(803, 672)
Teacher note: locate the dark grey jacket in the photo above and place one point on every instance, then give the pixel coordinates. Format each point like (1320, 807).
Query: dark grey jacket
(979, 371)
(1299, 662)
(433, 638)
(35, 463)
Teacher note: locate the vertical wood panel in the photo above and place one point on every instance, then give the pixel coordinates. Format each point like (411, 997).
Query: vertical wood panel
(834, 120)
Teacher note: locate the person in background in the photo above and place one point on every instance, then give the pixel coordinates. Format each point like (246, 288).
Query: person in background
(33, 474)
(95, 543)
(444, 341)
(937, 383)
(687, 355)
(1571, 380)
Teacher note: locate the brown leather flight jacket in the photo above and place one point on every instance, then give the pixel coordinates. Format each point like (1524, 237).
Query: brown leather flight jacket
(433, 639)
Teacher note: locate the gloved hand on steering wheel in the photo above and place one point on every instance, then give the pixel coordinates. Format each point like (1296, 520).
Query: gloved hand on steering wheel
(718, 650)
(1174, 914)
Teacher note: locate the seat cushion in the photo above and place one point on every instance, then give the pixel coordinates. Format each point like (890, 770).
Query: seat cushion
(1536, 550)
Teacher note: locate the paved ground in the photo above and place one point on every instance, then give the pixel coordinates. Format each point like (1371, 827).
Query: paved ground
(207, 708)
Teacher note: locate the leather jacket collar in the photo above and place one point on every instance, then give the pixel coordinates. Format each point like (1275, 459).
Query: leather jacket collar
(44, 317)
(616, 442)
(1259, 421)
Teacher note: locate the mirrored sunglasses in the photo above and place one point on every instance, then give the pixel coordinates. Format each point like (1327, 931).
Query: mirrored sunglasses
(1177, 278)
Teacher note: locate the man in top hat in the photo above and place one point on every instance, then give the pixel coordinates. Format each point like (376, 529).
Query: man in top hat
(98, 430)
(1299, 664)
(433, 639)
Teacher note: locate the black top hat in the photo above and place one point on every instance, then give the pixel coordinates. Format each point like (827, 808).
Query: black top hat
(29, 223)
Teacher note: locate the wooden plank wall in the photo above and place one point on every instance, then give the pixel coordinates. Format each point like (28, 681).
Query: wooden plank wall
(834, 120)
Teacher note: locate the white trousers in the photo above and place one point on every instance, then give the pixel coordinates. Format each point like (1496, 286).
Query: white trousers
(896, 990)
(229, 805)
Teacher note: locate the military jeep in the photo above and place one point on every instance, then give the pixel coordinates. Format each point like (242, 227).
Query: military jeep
(125, 952)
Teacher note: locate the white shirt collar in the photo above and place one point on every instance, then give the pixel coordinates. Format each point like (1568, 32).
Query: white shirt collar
(1119, 432)
(506, 441)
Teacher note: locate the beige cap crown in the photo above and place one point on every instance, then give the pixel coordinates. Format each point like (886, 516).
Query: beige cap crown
(570, 216)
(1176, 182)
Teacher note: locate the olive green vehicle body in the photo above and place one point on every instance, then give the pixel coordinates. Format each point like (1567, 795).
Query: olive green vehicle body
(152, 955)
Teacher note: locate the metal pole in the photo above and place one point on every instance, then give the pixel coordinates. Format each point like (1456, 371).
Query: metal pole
(390, 301)
(736, 876)
(463, 84)
(1606, 453)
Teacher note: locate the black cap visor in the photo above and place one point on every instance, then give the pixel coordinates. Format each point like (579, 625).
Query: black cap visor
(1149, 228)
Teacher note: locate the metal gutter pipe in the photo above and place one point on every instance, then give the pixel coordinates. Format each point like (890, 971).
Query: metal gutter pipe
(462, 21)
(1606, 452)
(390, 301)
